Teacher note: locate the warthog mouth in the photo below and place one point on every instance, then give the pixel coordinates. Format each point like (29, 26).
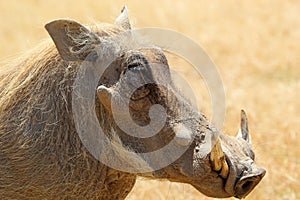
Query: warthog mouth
(240, 186)
(247, 183)
(238, 182)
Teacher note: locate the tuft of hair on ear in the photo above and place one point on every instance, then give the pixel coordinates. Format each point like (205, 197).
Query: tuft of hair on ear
(123, 19)
(73, 41)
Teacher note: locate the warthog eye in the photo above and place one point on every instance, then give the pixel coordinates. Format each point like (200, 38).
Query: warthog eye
(136, 61)
(134, 65)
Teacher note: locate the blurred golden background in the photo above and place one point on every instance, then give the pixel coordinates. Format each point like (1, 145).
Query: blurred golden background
(256, 46)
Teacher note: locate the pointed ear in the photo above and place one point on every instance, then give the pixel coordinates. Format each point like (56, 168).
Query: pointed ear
(244, 132)
(123, 20)
(72, 40)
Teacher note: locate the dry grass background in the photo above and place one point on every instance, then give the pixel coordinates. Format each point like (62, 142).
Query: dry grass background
(256, 46)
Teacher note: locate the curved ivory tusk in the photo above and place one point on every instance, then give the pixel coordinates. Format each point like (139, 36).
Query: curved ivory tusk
(218, 160)
(216, 156)
(225, 169)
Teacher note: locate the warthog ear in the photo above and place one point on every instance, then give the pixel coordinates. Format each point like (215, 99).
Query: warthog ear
(244, 132)
(72, 40)
(123, 20)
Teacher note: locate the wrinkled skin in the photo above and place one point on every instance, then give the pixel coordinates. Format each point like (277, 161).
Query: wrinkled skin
(227, 170)
(242, 176)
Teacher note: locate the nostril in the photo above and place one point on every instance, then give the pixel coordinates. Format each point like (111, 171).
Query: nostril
(247, 185)
(248, 182)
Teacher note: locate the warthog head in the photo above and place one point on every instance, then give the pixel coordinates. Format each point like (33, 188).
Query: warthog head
(141, 77)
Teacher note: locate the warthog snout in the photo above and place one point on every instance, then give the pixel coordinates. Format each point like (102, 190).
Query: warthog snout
(244, 174)
(247, 183)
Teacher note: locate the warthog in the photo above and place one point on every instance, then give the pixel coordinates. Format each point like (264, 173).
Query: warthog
(42, 155)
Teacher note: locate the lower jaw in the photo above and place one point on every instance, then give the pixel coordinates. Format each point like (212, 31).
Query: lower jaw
(217, 189)
(215, 194)
(231, 179)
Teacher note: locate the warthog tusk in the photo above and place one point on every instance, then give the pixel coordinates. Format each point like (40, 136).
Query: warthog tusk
(218, 160)
(225, 170)
(216, 156)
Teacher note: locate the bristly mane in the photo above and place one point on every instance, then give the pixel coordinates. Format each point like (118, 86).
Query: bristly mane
(37, 130)
(44, 57)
